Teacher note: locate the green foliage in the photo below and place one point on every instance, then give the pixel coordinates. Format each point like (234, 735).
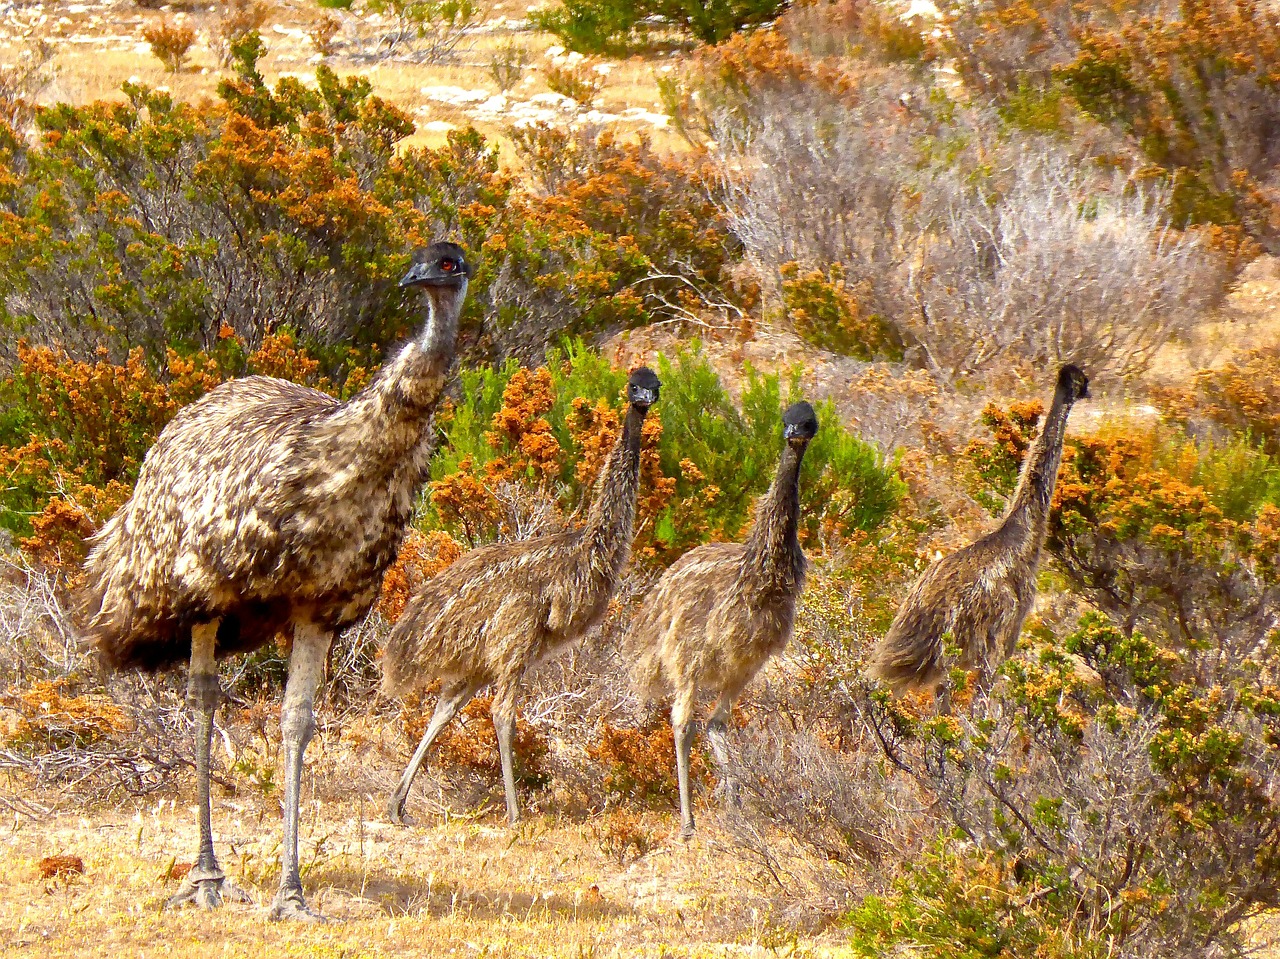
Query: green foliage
(713, 458)
(593, 26)
(828, 314)
(614, 27)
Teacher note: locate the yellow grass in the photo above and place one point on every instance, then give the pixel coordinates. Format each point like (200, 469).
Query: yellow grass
(465, 889)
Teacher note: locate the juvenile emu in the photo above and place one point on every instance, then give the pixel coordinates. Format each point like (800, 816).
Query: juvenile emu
(721, 610)
(979, 595)
(266, 507)
(502, 608)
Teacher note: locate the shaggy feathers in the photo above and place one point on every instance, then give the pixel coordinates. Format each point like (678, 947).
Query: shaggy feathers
(981, 594)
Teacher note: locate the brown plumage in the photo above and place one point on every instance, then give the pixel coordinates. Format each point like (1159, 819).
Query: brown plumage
(265, 507)
(502, 608)
(980, 595)
(721, 610)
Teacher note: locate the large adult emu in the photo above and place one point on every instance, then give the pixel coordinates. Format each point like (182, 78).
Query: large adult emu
(721, 610)
(263, 508)
(980, 595)
(502, 608)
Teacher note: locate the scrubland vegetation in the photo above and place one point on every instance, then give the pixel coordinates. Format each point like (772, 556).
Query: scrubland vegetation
(914, 221)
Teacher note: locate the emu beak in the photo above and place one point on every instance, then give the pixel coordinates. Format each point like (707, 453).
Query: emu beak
(646, 397)
(418, 273)
(790, 431)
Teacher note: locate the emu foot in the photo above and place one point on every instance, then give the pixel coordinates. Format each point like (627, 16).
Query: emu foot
(291, 904)
(206, 890)
(396, 813)
(686, 832)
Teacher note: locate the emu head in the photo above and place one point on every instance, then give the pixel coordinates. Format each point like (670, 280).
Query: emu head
(1072, 383)
(642, 388)
(799, 424)
(440, 266)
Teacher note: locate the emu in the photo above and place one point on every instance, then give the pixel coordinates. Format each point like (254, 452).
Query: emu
(504, 607)
(267, 507)
(980, 595)
(721, 610)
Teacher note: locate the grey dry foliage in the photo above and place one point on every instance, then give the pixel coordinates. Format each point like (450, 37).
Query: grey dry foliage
(37, 640)
(1005, 253)
(1062, 267)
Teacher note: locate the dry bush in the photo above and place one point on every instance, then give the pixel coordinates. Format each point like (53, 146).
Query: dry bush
(507, 65)
(578, 82)
(37, 640)
(321, 32)
(1014, 253)
(1060, 268)
(236, 20)
(424, 31)
(23, 81)
(170, 43)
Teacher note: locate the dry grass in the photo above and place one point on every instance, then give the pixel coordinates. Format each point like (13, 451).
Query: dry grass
(464, 888)
(99, 46)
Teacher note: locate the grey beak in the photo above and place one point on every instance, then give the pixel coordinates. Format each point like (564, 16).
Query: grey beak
(790, 431)
(417, 274)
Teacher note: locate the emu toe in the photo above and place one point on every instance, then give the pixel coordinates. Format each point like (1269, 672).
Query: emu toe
(396, 813)
(291, 904)
(206, 893)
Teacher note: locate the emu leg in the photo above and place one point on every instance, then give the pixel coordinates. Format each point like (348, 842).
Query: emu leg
(452, 698)
(203, 884)
(504, 724)
(297, 726)
(718, 736)
(683, 728)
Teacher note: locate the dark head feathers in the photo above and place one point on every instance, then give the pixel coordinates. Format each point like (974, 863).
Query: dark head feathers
(1072, 383)
(440, 264)
(799, 422)
(643, 387)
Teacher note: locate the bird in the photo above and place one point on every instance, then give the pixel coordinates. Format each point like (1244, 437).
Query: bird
(504, 607)
(978, 596)
(714, 618)
(266, 508)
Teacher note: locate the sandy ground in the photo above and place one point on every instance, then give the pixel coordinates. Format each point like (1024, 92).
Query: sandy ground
(466, 888)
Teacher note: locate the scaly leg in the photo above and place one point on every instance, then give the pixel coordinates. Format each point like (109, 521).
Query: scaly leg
(203, 884)
(452, 698)
(683, 728)
(718, 736)
(504, 724)
(297, 726)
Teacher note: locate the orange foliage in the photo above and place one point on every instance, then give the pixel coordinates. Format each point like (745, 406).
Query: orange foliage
(471, 743)
(421, 557)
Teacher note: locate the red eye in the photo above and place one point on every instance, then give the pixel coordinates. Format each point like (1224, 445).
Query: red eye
(448, 266)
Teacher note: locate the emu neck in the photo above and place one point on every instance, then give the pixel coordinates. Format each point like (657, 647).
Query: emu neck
(611, 520)
(773, 561)
(1029, 509)
(391, 414)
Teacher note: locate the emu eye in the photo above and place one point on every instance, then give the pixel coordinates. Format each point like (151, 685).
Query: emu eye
(448, 265)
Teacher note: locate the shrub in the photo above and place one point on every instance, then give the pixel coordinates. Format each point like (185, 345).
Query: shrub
(507, 65)
(1192, 85)
(609, 27)
(237, 20)
(640, 764)
(425, 31)
(471, 744)
(826, 313)
(577, 82)
(22, 81)
(321, 31)
(1242, 396)
(703, 462)
(170, 43)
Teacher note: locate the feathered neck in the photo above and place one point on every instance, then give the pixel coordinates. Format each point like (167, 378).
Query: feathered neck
(610, 523)
(773, 561)
(393, 410)
(1029, 508)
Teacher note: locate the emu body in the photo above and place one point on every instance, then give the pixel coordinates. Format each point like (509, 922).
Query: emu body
(722, 610)
(263, 508)
(981, 594)
(500, 609)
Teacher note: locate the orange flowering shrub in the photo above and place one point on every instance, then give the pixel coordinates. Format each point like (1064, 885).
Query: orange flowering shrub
(421, 557)
(640, 764)
(471, 744)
